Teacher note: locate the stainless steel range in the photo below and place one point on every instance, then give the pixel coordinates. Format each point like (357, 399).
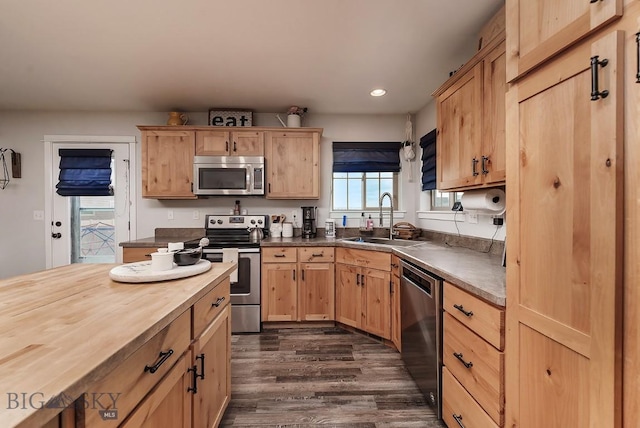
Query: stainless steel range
(233, 231)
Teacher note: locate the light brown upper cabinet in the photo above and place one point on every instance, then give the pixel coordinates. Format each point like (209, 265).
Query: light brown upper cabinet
(471, 122)
(167, 163)
(539, 29)
(222, 142)
(292, 160)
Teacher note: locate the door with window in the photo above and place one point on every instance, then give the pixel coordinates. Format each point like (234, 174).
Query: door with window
(84, 227)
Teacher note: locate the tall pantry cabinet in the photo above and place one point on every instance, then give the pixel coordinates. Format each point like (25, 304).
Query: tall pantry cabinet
(573, 213)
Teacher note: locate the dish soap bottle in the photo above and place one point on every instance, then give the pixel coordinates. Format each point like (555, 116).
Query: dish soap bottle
(362, 222)
(369, 223)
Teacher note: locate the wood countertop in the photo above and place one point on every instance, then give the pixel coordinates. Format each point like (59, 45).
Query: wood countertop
(65, 328)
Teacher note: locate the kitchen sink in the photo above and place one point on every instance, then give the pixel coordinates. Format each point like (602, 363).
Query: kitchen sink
(381, 241)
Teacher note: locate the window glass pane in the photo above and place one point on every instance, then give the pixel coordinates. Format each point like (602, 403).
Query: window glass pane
(386, 186)
(373, 192)
(93, 229)
(340, 194)
(340, 175)
(386, 175)
(355, 194)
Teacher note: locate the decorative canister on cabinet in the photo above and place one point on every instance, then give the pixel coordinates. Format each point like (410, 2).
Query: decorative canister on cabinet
(176, 118)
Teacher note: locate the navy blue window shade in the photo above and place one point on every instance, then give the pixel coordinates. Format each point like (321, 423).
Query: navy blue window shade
(366, 157)
(85, 172)
(428, 144)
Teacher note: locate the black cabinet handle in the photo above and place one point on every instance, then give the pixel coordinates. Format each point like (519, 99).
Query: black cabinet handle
(594, 1)
(303, 274)
(596, 94)
(193, 388)
(56, 235)
(362, 280)
(161, 359)
(474, 163)
(226, 146)
(317, 255)
(638, 57)
(234, 146)
(217, 302)
(294, 274)
(458, 419)
(279, 255)
(201, 358)
(461, 309)
(460, 358)
(485, 171)
(357, 279)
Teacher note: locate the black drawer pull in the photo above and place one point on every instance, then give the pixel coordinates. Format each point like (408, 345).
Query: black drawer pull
(596, 94)
(161, 359)
(279, 255)
(201, 358)
(217, 302)
(460, 358)
(317, 255)
(638, 57)
(458, 419)
(461, 309)
(193, 388)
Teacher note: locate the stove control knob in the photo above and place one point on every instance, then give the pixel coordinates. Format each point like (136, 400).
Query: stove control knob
(253, 221)
(259, 221)
(212, 221)
(219, 221)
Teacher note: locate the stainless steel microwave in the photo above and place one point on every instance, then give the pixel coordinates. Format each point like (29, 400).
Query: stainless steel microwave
(228, 175)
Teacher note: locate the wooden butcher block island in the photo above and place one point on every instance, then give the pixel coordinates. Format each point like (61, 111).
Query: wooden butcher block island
(78, 349)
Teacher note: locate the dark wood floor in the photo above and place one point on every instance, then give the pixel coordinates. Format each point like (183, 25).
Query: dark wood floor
(321, 377)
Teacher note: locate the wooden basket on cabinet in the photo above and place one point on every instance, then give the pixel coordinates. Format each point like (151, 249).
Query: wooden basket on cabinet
(405, 230)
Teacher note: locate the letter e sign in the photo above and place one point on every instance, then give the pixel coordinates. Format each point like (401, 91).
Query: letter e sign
(230, 118)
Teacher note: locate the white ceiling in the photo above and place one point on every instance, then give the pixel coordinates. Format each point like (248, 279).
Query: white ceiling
(263, 55)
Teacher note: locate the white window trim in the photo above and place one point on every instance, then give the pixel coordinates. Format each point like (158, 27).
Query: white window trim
(49, 140)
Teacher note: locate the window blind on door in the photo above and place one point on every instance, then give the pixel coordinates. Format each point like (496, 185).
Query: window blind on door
(85, 172)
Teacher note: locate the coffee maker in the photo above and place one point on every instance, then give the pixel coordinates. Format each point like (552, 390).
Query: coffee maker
(309, 222)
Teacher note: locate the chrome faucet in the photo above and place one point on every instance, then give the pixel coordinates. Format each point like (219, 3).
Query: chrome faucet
(390, 212)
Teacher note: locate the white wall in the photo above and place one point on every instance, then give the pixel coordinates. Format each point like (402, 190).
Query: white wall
(22, 239)
(444, 221)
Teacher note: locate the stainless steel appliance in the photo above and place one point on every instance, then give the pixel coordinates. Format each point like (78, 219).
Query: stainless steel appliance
(228, 175)
(309, 222)
(421, 323)
(234, 231)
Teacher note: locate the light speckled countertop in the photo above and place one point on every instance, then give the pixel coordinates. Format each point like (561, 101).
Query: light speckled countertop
(481, 274)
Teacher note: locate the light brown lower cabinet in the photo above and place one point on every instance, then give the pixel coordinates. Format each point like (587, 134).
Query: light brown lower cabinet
(363, 294)
(181, 377)
(136, 254)
(459, 409)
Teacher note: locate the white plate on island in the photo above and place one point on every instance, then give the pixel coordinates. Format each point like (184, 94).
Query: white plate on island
(141, 272)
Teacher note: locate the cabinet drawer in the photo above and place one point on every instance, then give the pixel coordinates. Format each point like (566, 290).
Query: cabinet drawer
(131, 380)
(481, 317)
(315, 254)
(131, 255)
(279, 255)
(484, 376)
(372, 259)
(207, 309)
(457, 403)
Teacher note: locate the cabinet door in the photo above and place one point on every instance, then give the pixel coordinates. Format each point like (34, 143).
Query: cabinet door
(493, 122)
(279, 292)
(247, 143)
(167, 164)
(376, 286)
(396, 327)
(563, 271)
(316, 292)
(169, 403)
(292, 160)
(212, 351)
(132, 254)
(348, 295)
(213, 143)
(460, 131)
(539, 29)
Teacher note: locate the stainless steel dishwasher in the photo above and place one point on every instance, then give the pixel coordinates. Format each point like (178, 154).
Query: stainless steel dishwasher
(421, 322)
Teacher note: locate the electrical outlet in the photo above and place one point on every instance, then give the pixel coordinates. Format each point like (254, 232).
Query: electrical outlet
(170, 215)
(472, 218)
(196, 215)
(38, 215)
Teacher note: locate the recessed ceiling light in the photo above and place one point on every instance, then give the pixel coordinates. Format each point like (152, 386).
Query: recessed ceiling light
(378, 92)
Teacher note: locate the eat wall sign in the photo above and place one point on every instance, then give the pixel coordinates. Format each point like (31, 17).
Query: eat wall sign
(230, 118)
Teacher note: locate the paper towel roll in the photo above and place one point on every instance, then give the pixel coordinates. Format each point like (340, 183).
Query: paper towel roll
(488, 201)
